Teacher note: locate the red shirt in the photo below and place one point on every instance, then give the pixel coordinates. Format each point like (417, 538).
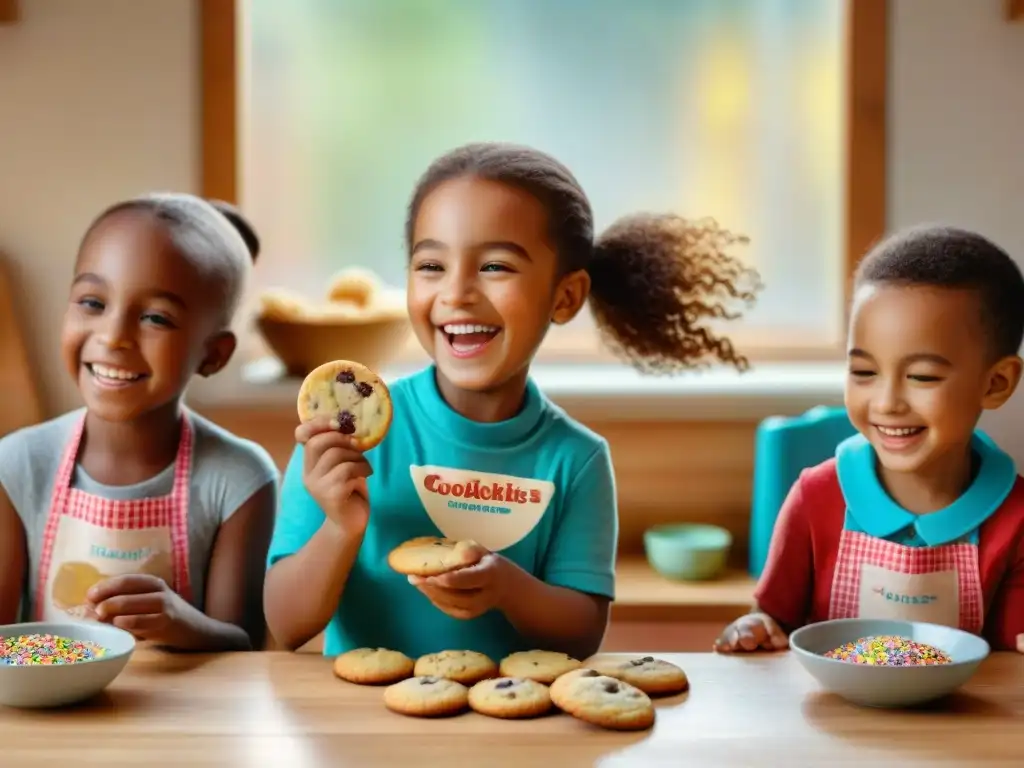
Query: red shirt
(796, 585)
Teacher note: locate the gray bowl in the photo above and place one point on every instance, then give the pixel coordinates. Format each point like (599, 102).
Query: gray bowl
(889, 687)
(33, 686)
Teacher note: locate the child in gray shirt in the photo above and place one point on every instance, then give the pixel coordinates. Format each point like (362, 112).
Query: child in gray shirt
(133, 510)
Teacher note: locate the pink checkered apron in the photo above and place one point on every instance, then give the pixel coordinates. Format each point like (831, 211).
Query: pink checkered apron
(89, 538)
(877, 579)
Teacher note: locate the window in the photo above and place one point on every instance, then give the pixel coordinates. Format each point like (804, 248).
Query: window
(743, 111)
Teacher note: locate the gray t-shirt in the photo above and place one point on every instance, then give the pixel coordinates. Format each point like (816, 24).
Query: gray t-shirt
(226, 471)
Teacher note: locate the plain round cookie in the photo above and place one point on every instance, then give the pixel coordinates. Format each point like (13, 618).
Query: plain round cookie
(510, 698)
(431, 556)
(466, 667)
(655, 677)
(373, 666)
(354, 395)
(604, 701)
(542, 666)
(426, 696)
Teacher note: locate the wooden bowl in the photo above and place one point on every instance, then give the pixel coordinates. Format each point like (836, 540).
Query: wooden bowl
(302, 345)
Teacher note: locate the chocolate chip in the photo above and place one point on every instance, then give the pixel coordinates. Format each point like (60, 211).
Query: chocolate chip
(641, 662)
(346, 423)
(505, 684)
(590, 673)
(510, 695)
(364, 389)
(647, 658)
(428, 680)
(611, 687)
(345, 377)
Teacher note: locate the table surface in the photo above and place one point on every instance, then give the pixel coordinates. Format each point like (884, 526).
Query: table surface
(287, 710)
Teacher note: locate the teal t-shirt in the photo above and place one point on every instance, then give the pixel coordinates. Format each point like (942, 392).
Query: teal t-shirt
(537, 488)
(870, 510)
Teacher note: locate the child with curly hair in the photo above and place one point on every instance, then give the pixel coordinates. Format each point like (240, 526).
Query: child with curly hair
(501, 246)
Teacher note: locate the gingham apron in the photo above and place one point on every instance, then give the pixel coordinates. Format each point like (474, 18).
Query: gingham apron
(89, 538)
(879, 579)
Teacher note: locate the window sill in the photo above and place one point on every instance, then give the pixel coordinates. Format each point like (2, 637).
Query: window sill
(606, 392)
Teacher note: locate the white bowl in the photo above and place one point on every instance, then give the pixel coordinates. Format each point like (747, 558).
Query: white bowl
(889, 687)
(44, 685)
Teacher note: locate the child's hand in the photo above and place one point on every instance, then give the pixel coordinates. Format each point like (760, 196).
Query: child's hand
(1020, 643)
(335, 473)
(467, 592)
(753, 632)
(143, 605)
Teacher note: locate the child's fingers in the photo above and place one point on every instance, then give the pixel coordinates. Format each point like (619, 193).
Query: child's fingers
(340, 445)
(320, 424)
(729, 640)
(777, 639)
(725, 643)
(751, 635)
(1020, 643)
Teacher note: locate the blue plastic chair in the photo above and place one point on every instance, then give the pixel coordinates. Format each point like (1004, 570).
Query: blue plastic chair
(784, 446)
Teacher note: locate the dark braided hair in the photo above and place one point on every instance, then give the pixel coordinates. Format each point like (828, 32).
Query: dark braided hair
(655, 279)
(948, 257)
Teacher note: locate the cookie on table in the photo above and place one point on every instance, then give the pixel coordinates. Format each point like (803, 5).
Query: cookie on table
(603, 701)
(655, 677)
(542, 666)
(431, 556)
(426, 696)
(562, 683)
(466, 667)
(373, 666)
(510, 698)
(353, 395)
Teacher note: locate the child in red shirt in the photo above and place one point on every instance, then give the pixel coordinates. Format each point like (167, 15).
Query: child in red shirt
(917, 517)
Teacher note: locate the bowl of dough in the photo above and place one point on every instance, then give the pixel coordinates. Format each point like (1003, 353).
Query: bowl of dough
(360, 319)
(888, 663)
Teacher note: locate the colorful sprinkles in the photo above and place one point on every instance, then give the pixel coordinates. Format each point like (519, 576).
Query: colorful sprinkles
(889, 651)
(28, 650)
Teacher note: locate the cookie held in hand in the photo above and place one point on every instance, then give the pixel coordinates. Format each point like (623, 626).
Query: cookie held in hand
(373, 666)
(431, 556)
(353, 395)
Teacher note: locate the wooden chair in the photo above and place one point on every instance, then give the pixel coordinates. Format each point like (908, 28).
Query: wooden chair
(20, 401)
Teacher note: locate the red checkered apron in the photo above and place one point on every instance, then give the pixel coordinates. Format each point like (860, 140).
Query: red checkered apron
(877, 579)
(89, 538)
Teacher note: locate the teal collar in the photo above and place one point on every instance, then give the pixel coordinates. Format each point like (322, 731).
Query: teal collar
(878, 515)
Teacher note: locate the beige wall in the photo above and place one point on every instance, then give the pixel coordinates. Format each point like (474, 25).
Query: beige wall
(98, 100)
(955, 138)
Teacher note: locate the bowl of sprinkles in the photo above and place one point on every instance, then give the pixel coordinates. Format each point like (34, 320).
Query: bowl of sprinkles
(888, 663)
(46, 664)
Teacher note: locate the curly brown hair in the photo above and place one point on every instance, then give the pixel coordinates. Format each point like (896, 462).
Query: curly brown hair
(656, 280)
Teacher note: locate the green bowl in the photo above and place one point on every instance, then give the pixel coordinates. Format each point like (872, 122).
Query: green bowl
(687, 551)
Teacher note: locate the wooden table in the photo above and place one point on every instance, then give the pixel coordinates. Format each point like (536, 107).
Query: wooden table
(287, 711)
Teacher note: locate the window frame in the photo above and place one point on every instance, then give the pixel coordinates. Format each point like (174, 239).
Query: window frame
(864, 205)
